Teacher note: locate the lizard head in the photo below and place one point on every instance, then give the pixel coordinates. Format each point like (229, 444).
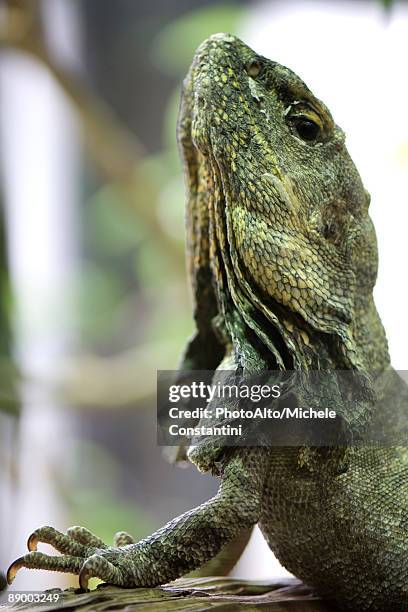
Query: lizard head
(278, 211)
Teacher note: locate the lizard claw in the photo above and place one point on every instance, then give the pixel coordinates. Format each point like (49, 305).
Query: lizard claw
(13, 569)
(32, 542)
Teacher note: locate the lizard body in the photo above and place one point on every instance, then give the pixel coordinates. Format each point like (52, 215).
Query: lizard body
(283, 260)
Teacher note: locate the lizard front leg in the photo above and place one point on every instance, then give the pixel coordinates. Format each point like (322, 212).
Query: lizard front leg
(185, 543)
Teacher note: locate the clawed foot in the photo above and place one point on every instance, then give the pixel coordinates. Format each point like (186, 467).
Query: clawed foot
(83, 553)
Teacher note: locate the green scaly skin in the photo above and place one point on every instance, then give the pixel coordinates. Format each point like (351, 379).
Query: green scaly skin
(283, 259)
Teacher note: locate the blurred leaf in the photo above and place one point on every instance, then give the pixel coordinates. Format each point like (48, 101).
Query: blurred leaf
(9, 386)
(152, 265)
(161, 167)
(173, 306)
(111, 228)
(174, 47)
(100, 292)
(9, 397)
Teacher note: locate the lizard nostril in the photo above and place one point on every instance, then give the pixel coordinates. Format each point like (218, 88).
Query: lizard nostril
(200, 101)
(254, 68)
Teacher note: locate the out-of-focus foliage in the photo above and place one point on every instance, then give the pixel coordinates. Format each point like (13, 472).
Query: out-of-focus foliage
(8, 374)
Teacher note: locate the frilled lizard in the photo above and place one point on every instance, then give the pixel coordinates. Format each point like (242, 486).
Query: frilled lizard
(283, 259)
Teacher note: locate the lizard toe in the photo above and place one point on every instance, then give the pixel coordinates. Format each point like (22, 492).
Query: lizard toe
(98, 566)
(38, 560)
(85, 537)
(61, 542)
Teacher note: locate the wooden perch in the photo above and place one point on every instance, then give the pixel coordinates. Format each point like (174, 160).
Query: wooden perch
(190, 595)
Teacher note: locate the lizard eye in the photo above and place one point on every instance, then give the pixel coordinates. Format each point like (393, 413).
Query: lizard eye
(306, 128)
(254, 68)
